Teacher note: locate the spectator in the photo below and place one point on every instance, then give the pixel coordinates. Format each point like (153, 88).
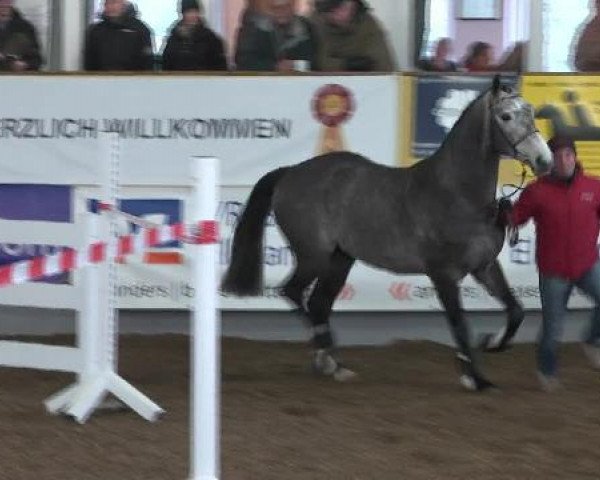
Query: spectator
(350, 38)
(587, 49)
(479, 57)
(19, 47)
(439, 61)
(191, 44)
(120, 41)
(275, 41)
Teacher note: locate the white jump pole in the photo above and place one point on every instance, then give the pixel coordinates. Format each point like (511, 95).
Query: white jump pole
(205, 330)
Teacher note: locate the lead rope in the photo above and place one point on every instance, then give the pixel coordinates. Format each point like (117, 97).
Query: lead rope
(512, 231)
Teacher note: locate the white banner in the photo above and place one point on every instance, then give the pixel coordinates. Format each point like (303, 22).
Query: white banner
(48, 125)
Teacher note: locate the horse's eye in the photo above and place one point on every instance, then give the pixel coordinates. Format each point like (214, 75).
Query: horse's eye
(505, 117)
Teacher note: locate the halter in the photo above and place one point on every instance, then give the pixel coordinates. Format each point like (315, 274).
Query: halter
(514, 145)
(513, 232)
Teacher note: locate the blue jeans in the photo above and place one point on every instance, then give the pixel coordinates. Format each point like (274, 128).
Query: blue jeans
(554, 294)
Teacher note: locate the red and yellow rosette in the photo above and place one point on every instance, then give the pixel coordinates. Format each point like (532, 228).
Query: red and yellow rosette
(332, 105)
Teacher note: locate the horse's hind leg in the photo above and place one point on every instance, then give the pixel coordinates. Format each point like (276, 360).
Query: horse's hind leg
(295, 286)
(448, 293)
(319, 304)
(493, 279)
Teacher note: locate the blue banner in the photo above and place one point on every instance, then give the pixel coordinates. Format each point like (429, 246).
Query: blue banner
(439, 102)
(48, 203)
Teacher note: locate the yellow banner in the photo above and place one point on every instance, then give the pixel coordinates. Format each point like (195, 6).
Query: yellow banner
(568, 105)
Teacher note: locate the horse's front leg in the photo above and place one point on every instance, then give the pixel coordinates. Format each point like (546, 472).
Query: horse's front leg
(492, 278)
(449, 294)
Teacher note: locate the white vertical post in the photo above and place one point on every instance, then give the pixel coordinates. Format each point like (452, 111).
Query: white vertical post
(536, 51)
(89, 316)
(73, 28)
(205, 331)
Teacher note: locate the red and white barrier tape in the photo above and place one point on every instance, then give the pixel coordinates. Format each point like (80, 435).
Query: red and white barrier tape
(69, 259)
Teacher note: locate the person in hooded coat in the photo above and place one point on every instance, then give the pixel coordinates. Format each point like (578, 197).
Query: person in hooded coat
(191, 44)
(350, 38)
(119, 42)
(19, 46)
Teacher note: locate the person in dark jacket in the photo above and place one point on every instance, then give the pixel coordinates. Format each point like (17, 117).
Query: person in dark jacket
(565, 207)
(350, 38)
(278, 40)
(19, 47)
(191, 44)
(120, 41)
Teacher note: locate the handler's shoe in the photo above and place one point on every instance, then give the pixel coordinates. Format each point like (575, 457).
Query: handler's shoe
(547, 382)
(592, 352)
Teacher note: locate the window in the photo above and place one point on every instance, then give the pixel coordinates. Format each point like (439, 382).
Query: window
(438, 22)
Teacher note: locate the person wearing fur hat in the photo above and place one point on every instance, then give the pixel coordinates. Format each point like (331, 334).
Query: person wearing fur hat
(350, 38)
(275, 40)
(191, 45)
(19, 47)
(565, 207)
(119, 42)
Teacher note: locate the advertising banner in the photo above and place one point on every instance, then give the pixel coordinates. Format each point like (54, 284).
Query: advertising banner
(568, 105)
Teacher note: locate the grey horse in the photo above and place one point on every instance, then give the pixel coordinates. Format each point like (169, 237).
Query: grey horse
(437, 217)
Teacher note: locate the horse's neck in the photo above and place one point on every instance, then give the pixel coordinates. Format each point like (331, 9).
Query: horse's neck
(466, 160)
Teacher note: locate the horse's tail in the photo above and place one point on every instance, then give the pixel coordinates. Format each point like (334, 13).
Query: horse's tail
(245, 273)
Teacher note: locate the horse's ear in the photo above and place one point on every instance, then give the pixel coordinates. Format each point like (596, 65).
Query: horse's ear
(496, 84)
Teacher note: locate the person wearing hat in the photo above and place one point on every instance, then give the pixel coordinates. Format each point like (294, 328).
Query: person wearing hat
(119, 42)
(350, 38)
(19, 46)
(565, 207)
(276, 39)
(191, 45)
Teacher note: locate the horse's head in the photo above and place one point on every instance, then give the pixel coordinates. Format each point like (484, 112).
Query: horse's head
(514, 131)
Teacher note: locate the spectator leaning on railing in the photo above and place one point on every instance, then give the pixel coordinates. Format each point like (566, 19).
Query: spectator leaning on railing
(350, 38)
(277, 40)
(19, 47)
(120, 41)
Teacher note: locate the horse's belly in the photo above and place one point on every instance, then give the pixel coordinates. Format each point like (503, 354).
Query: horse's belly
(398, 257)
(482, 250)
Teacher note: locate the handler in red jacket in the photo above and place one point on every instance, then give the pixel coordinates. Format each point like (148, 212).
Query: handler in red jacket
(565, 206)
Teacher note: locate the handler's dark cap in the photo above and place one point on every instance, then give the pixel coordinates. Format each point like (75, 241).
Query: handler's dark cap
(561, 141)
(189, 5)
(323, 6)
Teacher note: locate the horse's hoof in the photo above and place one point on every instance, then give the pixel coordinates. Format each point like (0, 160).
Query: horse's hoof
(343, 374)
(468, 382)
(489, 343)
(475, 384)
(483, 385)
(325, 364)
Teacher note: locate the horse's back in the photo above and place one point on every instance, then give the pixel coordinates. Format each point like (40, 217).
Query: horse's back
(343, 200)
(328, 182)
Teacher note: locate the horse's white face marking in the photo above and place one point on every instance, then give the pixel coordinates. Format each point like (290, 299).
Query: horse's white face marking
(519, 137)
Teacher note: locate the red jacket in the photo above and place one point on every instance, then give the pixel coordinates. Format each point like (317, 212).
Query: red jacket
(566, 215)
